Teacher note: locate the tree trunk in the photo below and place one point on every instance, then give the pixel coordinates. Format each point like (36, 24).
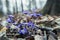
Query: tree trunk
(52, 7)
(22, 5)
(29, 5)
(1, 12)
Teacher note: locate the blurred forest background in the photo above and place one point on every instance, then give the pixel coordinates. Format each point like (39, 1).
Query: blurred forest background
(14, 6)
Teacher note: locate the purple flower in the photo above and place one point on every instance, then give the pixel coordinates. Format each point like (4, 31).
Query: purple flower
(8, 20)
(39, 15)
(23, 31)
(34, 14)
(26, 12)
